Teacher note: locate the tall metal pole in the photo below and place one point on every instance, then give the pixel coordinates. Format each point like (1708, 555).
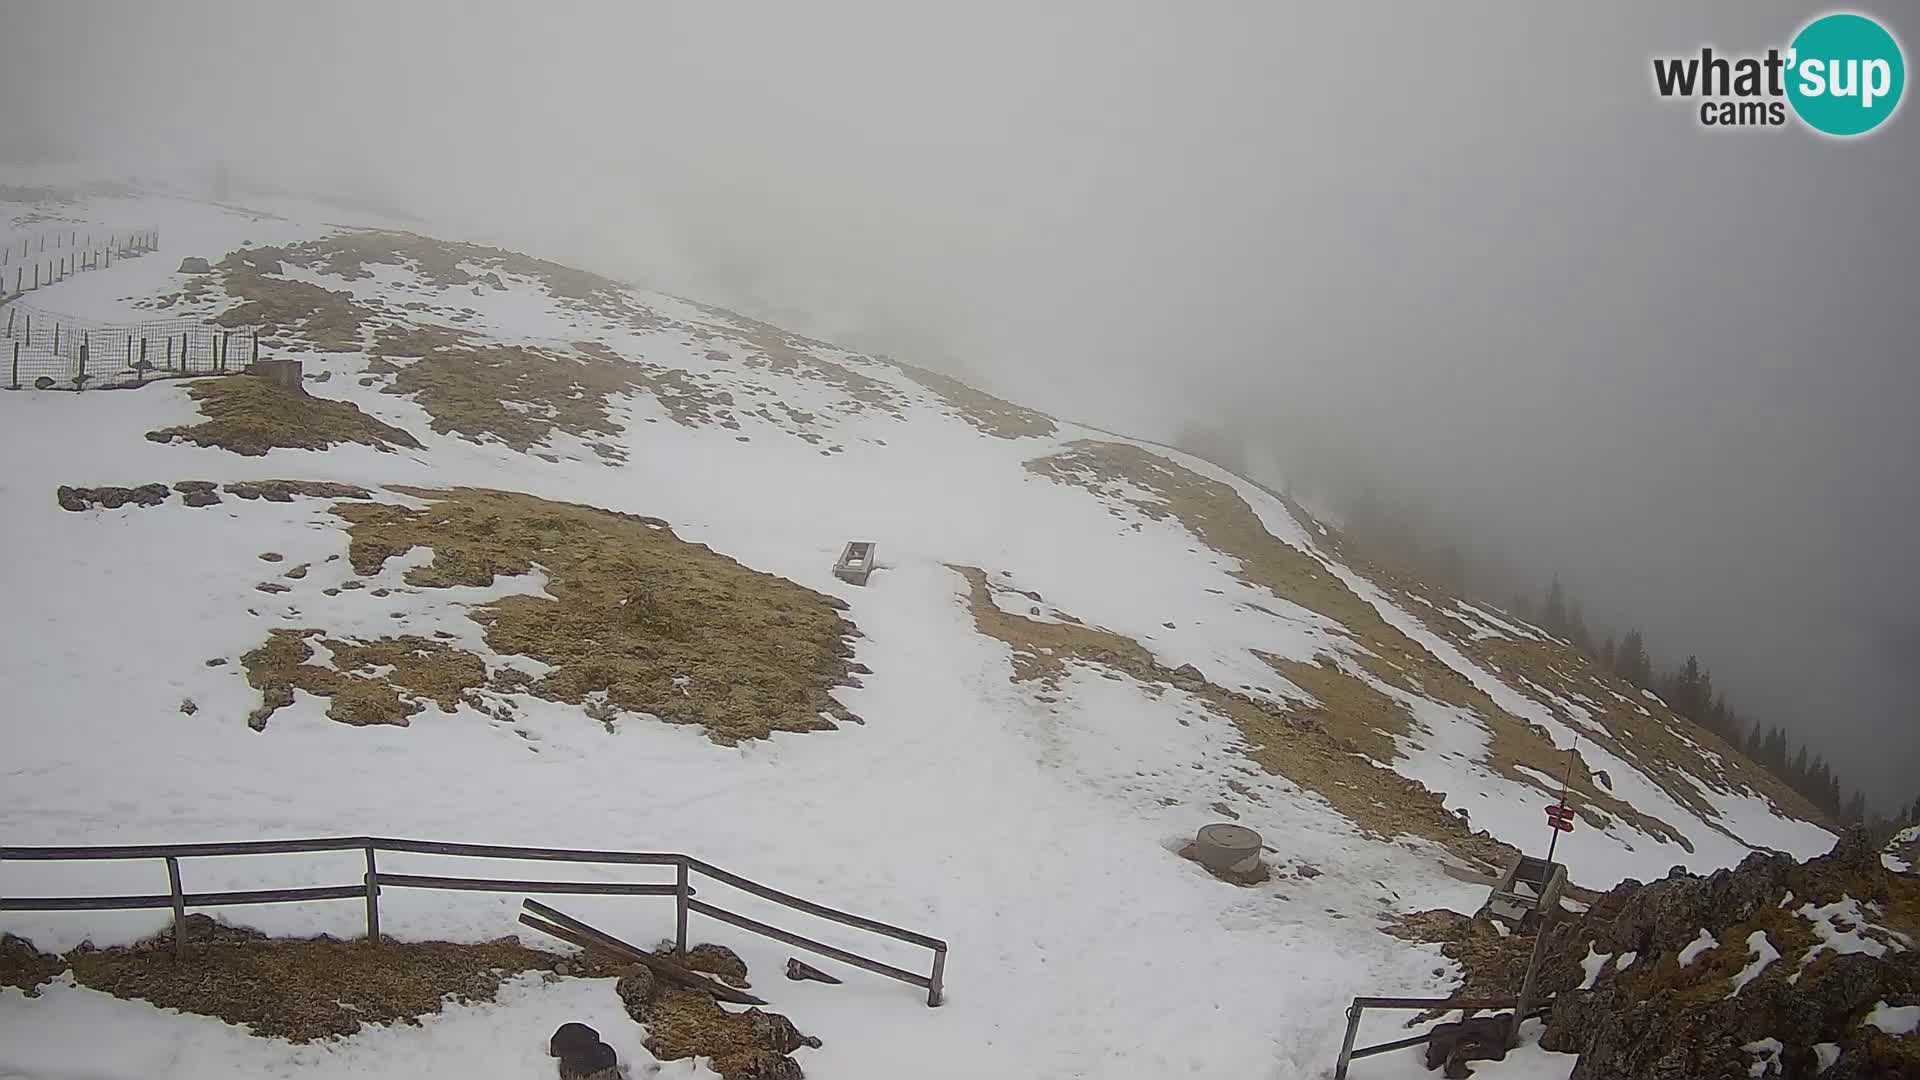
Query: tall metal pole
(1554, 840)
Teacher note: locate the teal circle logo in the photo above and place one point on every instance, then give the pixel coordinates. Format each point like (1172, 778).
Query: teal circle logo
(1845, 74)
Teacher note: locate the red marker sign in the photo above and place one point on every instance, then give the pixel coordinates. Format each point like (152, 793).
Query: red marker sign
(1560, 817)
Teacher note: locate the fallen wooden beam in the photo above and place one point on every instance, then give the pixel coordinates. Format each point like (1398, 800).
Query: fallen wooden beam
(572, 930)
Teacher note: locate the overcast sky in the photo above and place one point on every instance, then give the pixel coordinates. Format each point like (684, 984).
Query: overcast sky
(1459, 253)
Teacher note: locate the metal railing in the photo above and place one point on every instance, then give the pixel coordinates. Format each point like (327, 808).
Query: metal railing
(681, 889)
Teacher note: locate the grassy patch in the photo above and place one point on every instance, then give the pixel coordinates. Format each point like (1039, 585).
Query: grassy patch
(418, 670)
(637, 616)
(287, 490)
(302, 989)
(984, 411)
(24, 967)
(515, 394)
(251, 416)
(1221, 519)
(1307, 753)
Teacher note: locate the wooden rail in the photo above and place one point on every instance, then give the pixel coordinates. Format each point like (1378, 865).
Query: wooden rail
(374, 880)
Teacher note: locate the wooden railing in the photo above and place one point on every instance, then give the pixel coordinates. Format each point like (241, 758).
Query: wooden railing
(681, 889)
(1467, 1005)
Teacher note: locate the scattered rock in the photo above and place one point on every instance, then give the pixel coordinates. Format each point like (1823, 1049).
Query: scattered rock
(353, 583)
(572, 1036)
(285, 490)
(636, 989)
(24, 967)
(594, 1061)
(271, 587)
(188, 707)
(218, 661)
(271, 556)
(110, 498)
(193, 264)
(198, 492)
(297, 572)
(380, 592)
(1479, 1038)
(44, 382)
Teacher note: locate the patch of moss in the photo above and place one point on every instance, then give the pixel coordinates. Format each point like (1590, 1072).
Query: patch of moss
(251, 416)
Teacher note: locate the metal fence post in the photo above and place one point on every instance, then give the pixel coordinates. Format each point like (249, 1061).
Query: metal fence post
(16, 365)
(1346, 1048)
(938, 979)
(680, 907)
(179, 909)
(373, 900)
(80, 383)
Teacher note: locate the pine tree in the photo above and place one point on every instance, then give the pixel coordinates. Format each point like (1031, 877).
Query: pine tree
(1609, 650)
(1553, 615)
(1856, 808)
(1633, 664)
(1799, 767)
(1577, 630)
(1755, 740)
(1774, 754)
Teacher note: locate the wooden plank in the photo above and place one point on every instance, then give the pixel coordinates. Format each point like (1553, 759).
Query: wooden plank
(778, 934)
(1433, 1003)
(464, 884)
(181, 851)
(569, 929)
(811, 908)
(498, 851)
(165, 900)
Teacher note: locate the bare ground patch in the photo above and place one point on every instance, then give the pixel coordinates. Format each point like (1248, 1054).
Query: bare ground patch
(989, 414)
(382, 681)
(1306, 752)
(1220, 518)
(251, 416)
(302, 989)
(518, 395)
(639, 621)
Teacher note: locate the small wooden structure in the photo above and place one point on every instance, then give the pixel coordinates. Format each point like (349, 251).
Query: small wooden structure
(1529, 889)
(856, 562)
(284, 373)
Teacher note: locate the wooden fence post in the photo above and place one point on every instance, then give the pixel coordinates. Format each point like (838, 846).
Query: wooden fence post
(680, 908)
(56, 337)
(80, 383)
(938, 979)
(16, 365)
(169, 352)
(256, 347)
(373, 900)
(225, 335)
(179, 909)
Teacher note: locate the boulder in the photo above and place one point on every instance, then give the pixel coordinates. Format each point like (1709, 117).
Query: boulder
(193, 264)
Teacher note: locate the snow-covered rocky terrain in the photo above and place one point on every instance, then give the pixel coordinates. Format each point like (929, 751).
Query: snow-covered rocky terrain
(1077, 649)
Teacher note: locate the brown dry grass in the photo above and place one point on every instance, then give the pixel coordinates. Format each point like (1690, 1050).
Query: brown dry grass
(794, 355)
(465, 387)
(423, 669)
(302, 989)
(658, 625)
(1220, 518)
(251, 416)
(989, 414)
(297, 314)
(24, 967)
(1305, 752)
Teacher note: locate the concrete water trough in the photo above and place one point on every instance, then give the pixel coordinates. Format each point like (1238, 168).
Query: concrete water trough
(856, 562)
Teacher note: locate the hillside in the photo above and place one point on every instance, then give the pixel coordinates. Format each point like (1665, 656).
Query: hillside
(546, 559)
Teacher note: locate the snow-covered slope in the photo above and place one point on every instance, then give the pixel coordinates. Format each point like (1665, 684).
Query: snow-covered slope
(1077, 649)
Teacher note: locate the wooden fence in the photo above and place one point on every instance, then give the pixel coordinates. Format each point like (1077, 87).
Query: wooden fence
(681, 889)
(1468, 1005)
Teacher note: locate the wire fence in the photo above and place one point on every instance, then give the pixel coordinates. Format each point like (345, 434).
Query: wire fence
(34, 261)
(47, 350)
